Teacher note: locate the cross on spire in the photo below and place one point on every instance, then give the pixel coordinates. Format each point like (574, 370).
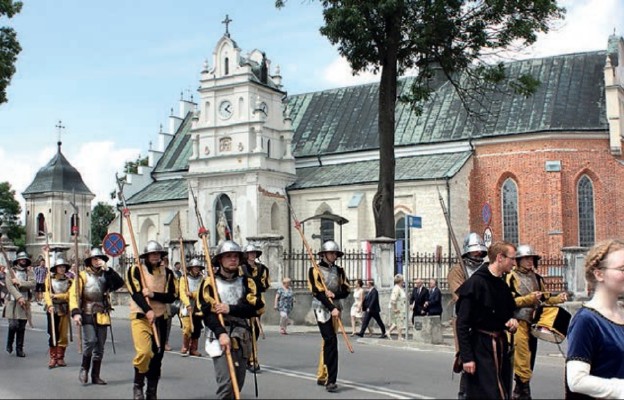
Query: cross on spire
(59, 127)
(226, 21)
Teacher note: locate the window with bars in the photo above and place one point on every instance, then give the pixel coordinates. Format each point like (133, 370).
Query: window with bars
(585, 198)
(510, 211)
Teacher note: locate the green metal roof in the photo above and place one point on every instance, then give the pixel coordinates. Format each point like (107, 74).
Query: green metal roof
(178, 151)
(163, 190)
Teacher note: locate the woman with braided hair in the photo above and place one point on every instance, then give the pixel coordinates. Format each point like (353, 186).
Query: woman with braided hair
(594, 367)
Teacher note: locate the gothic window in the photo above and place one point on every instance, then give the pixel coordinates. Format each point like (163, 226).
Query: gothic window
(275, 219)
(510, 211)
(585, 196)
(41, 225)
(223, 218)
(327, 230)
(74, 224)
(225, 145)
(226, 66)
(269, 148)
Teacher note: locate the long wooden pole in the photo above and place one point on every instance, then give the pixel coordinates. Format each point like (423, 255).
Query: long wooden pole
(135, 250)
(203, 234)
(76, 231)
(46, 252)
(185, 272)
(318, 269)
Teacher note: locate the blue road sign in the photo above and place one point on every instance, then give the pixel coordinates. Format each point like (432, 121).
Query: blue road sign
(414, 221)
(114, 244)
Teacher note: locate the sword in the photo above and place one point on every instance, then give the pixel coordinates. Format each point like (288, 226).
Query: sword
(112, 336)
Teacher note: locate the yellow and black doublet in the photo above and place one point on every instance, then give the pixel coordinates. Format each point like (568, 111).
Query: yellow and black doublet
(56, 295)
(336, 281)
(241, 294)
(191, 332)
(260, 274)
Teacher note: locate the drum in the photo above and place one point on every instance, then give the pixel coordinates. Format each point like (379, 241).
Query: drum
(551, 324)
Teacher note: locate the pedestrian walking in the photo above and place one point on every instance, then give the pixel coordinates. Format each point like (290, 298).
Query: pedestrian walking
(398, 301)
(418, 298)
(41, 271)
(433, 305)
(372, 310)
(329, 284)
(357, 311)
(154, 282)
(594, 367)
(56, 298)
(484, 314)
(284, 303)
(20, 284)
(90, 309)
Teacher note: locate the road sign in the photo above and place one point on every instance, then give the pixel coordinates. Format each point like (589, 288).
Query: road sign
(487, 236)
(114, 244)
(486, 213)
(414, 221)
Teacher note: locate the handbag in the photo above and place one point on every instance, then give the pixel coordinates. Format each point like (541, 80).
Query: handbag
(458, 365)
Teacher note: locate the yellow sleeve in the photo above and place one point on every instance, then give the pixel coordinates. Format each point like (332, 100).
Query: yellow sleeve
(73, 296)
(186, 301)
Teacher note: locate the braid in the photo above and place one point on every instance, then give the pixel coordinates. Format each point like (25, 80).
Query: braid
(596, 255)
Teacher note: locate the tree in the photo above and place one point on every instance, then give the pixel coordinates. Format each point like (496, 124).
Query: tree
(132, 167)
(9, 46)
(451, 37)
(101, 216)
(10, 211)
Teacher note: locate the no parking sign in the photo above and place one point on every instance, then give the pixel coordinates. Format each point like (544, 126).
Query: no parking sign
(114, 244)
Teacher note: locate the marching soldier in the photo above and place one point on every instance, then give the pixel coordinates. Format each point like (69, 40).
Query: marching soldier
(159, 287)
(20, 282)
(90, 309)
(189, 290)
(327, 309)
(253, 268)
(528, 290)
(239, 301)
(56, 297)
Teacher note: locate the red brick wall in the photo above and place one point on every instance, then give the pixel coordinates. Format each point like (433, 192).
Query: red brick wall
(547, 201)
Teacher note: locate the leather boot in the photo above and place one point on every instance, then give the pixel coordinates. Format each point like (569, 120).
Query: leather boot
(52, 362)
(194, 345)
(19, 342)
(522, 390)
(95, 373)
(186, 340)
(84, 368)
(137, 388)
(152, 387)
(60, 356)
(10, 340)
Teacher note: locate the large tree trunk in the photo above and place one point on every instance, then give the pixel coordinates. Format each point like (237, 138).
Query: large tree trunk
(383, 201)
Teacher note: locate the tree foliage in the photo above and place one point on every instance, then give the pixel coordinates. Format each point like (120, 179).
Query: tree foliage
(457, 39)
(101, 216)
(9, 46)
(10, 211)
(132, 167)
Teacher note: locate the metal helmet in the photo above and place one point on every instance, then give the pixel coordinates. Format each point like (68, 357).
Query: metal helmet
(330, 245)
(228, 246)
(525, 250)
(196, 263)
(96, 252)
(474, 242)
(153, 246)
(22, 255)
(250, 247)
(58, 262)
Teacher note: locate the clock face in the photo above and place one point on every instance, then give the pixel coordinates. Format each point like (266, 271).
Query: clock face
(225, 109)
(264, 108)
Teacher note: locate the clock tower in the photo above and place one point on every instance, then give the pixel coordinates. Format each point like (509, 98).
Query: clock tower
(241, 135)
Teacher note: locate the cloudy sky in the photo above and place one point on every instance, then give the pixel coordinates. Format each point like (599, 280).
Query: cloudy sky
(111, 71)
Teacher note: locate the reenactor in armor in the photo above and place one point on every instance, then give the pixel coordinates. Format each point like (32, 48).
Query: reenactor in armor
(528, 290)
(473, 256)
(90, 309)
(328, 284)
(157, 283)
(189, 291)
(56, 298)
(20, 282)
(253, 268)
(239, 300)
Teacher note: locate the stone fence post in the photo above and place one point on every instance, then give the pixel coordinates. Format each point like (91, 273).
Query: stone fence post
(575, 273)
(272, 247)
(382, 266)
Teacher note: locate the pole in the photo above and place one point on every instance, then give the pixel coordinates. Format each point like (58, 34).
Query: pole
(203, 234)
(406, 272)
(76, 231)
(135, 250)
(46, 251)
(184, 272)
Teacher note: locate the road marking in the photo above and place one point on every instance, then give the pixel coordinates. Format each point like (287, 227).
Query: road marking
(397, 394)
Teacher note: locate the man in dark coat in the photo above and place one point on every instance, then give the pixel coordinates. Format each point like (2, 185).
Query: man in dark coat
(420, 295)
(371, 310)
(433, 305)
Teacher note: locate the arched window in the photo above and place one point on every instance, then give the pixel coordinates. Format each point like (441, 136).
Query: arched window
(585, 196)
(327, 230)
(226, 66)
(74, 222)
(510, 211)
(275, 219)
(269, 148)
(223, 218)
(41, 228)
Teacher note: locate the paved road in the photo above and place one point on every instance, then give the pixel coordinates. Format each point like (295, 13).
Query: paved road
(378, 369)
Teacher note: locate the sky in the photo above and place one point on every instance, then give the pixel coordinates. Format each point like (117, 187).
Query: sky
(112, 71)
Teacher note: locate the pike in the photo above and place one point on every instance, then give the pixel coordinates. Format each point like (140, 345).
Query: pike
(184, 272)
(135, 250)
(318, 269)
(203, 234)
(75, 231)
(46, 251)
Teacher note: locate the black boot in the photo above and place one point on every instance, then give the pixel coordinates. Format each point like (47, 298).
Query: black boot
(137, 389)
(19, 343)
(95, 373)
(522, 390)
(152, 387)
(84, 369)
(10, 339)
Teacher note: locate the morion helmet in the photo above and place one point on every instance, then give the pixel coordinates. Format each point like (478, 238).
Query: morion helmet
(250, 247)
(228, 246)
(153, 246)
(96, 252)
(59, 261)
(330, 245)
(196, 263)
(474, 242)
(525, 250)
(22, 255)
